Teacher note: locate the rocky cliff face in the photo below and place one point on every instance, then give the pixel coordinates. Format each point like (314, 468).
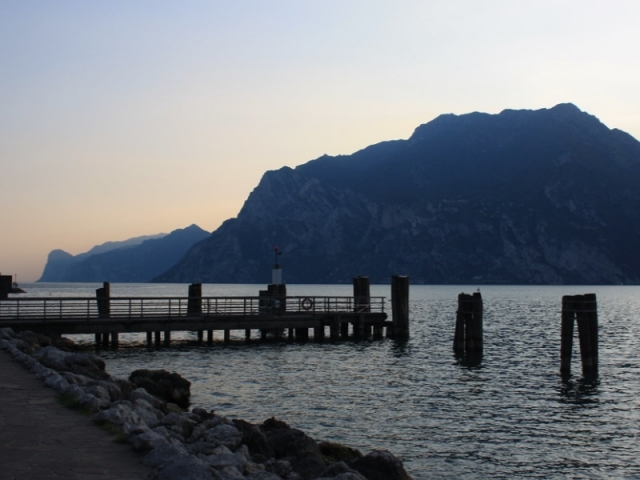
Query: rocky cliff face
(134, 260)
(530, 197)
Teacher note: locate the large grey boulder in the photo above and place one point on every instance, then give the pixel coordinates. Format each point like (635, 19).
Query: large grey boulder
(172, 462)
(120, 415)
(142, 394)
(380, 465)
(146, 441)
(296, 447)
(224, 434)
(179, 423)
(84, 364)
(254, 438)
(169, 387)
(340, 471)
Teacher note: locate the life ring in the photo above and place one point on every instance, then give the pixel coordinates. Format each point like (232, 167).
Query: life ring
(307, 304)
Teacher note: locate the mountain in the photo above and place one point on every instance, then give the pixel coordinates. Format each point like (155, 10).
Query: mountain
(134, 260)
(548, 196)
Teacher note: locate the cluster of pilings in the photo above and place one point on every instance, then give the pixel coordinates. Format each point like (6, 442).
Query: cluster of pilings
(580, 309)
(468, 341)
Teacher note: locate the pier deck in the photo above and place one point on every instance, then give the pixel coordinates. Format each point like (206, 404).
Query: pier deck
(169, 314)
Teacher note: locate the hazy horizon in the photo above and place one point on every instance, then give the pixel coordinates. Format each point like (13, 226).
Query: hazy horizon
(121, 120)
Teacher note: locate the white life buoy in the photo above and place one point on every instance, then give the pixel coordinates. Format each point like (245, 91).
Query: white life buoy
(307, 304)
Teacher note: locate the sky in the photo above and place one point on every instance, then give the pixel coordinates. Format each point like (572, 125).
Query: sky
(120, 119)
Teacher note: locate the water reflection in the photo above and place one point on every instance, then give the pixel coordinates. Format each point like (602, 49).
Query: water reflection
(468, 361)
(400, 348)
(583, 391)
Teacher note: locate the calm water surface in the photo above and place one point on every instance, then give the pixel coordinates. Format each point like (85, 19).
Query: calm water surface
(509, 416)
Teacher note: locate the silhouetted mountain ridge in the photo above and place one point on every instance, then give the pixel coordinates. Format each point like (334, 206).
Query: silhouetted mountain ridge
(135, 260)
(524, 196)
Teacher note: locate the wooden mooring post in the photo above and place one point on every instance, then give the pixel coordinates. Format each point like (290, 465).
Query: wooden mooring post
(103, 300)
(361, 294)
(104, 310)
(399, 307)
(194, 301)
(5, 286)
(468, 336)
(361, 304)
(584, 309)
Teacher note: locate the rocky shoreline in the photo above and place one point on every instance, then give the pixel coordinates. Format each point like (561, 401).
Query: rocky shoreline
(150, 412)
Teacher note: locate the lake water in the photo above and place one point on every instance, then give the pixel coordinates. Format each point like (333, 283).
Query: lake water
(510, 416)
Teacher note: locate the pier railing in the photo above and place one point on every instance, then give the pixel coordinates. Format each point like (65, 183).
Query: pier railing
(175, 307)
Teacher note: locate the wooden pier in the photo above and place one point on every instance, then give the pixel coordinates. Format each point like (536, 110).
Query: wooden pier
(106, 317)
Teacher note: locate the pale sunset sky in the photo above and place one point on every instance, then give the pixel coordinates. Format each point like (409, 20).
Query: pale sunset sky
(127, 118)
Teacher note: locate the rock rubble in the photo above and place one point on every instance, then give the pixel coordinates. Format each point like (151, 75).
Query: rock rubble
(149, 411)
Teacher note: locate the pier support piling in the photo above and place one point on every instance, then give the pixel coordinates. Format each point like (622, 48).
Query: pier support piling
(359, 328)
(334, 328)
(377, 332)
(302, 334)
(344, 329)
(361, 294)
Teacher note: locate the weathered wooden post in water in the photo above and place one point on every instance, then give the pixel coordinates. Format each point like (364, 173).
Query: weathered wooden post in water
(104, 311)
(103, 300)
(468, 336)
(5, 286)
(361, 294)
(362, 304)
(399, 307)
(194, 301)
(194, 304)
(584, 309)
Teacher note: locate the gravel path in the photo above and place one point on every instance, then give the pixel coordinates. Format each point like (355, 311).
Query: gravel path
(41, 439)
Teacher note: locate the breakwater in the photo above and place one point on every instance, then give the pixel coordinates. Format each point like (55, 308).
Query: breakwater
(183, 444)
